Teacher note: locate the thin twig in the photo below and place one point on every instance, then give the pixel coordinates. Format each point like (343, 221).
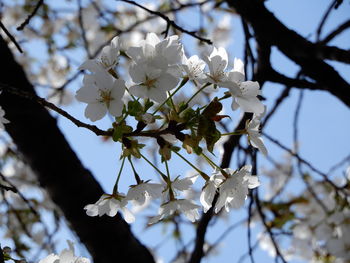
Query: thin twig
(268, 229)
(249, 234)
(325, 177)
(336, 32)
(31, 15)
(170, 22)
(324, 19)
(53, 107)
(83, 32)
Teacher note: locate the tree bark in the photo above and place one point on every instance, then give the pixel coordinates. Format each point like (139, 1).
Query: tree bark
(69, 184)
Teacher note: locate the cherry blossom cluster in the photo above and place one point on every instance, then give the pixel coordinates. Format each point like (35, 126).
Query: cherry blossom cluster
(158, 70)
(66, 256)
(317, 220)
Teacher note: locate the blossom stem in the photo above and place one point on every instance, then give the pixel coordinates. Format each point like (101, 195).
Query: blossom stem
(151, 164)
(137, 177)
(113, 73)
(171, 95)
(238, 132)
(197, 92)
(167, 169)
(171, 101)
(171, 192)
(115, 188)
(220, 99)
(204, 175)
(215, 165)
(132, 96)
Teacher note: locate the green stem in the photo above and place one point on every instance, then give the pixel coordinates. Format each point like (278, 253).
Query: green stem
(171, 101)
(115, 188)
(197, 92)
(151, 164)
(220, 99)
(171, 192)
(238, 132)
(137, 177)
(204, 175)
(214, 164)
(132, 96)
(167, 170)
(161, 105)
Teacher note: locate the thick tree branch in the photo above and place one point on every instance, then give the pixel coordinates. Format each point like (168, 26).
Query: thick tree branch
(69, 184)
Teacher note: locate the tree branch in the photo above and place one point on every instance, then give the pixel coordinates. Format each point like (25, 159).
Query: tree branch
(169, 22)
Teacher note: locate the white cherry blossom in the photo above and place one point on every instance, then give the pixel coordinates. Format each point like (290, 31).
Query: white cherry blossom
(254, 136)
(246, 97)
(234, 190)
(107, 60)
(151, 82)
(139, 193)
(189, 209)
(66, 256)
(193, 67)
(244, 93)
(209, 190)
(178, 185)
(110, 205)
(160, 54)
(103, 94)
(217, 63)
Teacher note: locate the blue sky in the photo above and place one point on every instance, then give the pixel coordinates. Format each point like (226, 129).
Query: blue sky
(323, 127)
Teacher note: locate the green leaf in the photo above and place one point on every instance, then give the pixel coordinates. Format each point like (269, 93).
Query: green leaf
(148, 104)
(119, 130)
(135, 108)
(212, 136)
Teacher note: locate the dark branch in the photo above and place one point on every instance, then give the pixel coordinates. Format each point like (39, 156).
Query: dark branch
(170, 22)
(31, 15)
(11, 37)
(45, 103)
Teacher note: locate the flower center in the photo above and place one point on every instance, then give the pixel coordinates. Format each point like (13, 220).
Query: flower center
(149, 83)
(105, 96)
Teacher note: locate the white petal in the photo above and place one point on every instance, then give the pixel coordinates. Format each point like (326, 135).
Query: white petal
(155, 219)
(139, 91)
(152, 39)
(253, 181)
(250, 104)
(116, 107)
(87, 94)
(128, 216)
(258, 142)
(238, 66)
(91, 210)
(156, 95)
(167, 82)
(137, 73)
(92, 65)
(95, 111)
